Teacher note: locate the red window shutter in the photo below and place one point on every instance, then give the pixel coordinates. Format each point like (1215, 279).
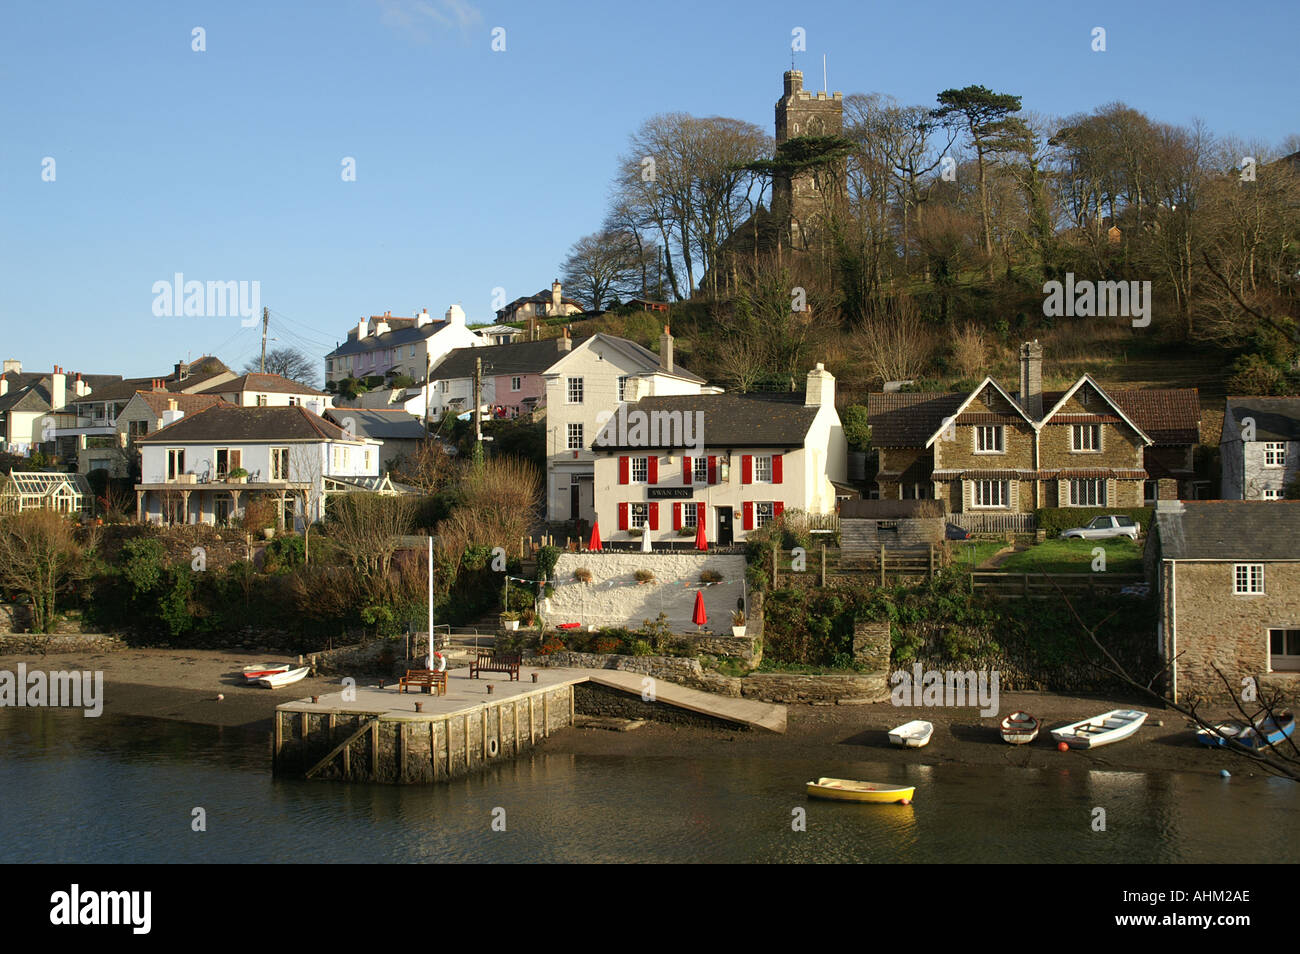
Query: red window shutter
(652, 470)
(622, 515)
(654, 513)
(713, 469)
(777, 507)
(677, 516)
(747, 468)
(749, 515)
(622, 472)
(776, 468)
(699, 515)
(686, 470)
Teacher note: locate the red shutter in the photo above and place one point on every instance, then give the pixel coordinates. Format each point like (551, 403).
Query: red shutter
(749, 515)
(713, 470)
(777, 507)
(622, 515)
(686, 470)
(776, 468)
(677, 516)
(652, 470)
(654, 513)
(699, 515)
(747, 468)
(622, 472)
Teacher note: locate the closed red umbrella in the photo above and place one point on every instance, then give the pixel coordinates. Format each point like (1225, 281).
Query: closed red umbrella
(595, 538)
(701, 541)
(699, 617)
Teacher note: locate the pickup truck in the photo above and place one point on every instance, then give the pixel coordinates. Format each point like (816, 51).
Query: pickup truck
(1099, 528)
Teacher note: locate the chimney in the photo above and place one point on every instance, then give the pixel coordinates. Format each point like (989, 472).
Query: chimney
(666, 350)
(555, 297)
(423, 318)
(58, 389)
(820, 390)
(1031, 379)
(4, 384)
(14, 365)
(564, 342)
(455, 315)
(172, 414)
(79, 387)
(182, 370)
(361, 329)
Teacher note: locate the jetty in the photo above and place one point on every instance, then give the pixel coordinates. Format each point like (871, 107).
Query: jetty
(378, 734)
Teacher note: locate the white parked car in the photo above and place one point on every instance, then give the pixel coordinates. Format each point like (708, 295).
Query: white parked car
(1099, 528)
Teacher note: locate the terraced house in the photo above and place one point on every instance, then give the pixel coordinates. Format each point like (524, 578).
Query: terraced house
(992, 457)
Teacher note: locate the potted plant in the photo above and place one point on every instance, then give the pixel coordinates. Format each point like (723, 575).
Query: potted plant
(635, 532)
(738, 623)
(528, 618)
(510, 620)
(237, 476)
(582, 575)
(686, 532)
(645, 576)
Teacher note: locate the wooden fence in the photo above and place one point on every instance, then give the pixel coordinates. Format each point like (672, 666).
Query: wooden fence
(994, 522)
(820, 561)
(1051, 585)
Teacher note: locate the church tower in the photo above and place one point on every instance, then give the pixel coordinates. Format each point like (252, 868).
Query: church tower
(801, 199)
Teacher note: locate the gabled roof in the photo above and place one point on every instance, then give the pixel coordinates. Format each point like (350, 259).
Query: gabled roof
(1276, 418)
(988, 380)
(227, 423)
(390, 339)
(900, 419)
(730, 420)
(1087, 379)
(383, 423)
(256, 381)
(1168, 416)
(1229, 530)
(159, 401)
(518, 357)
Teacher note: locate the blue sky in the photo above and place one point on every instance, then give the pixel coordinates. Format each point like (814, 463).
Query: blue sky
(475, 169)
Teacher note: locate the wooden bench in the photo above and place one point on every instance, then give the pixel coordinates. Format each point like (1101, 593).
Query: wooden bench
(432, 680)
(496, 662)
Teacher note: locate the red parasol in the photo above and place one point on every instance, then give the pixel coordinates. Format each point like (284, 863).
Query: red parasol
(699, 617)
(701, 541)
(595, 538)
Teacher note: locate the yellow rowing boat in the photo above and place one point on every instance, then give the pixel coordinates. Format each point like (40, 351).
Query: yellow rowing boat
(847, 790)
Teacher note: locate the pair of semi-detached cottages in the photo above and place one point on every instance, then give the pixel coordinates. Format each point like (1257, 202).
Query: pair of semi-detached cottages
(730, 462)
(204, 467)
(989, 455)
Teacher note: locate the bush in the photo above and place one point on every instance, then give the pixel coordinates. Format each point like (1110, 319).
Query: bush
(582, 575)
(606, 644)
(1253, 374)
(645, 576)
(552, 644)
(857, 429)
(1056, 519)
(710, 576)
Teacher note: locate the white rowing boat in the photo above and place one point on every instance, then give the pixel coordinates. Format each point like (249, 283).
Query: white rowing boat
(1101, 730)
(912, 735)
(256, 672)
(1019, 728)
(276, 680)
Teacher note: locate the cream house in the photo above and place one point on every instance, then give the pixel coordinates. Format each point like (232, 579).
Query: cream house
(733, 462)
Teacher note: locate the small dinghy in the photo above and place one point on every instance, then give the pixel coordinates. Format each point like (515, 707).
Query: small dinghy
(1101, 730)
(1019, 728)
(254, 673)
(1268, 731)
(1221, 733)
(912, 735)
(278, 679)
(847, 790)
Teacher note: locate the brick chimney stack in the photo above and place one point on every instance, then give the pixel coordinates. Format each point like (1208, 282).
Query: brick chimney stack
(666, 350)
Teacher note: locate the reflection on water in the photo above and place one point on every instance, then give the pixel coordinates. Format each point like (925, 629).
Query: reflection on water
(123, 790)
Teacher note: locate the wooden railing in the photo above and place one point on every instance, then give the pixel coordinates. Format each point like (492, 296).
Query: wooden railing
(994, 522)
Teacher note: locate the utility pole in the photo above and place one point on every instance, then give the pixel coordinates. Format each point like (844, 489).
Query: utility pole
(478, 403)
(266, 319)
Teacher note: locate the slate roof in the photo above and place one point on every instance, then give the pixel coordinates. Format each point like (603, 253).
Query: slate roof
(157, 401)
(518, 357)
(1276, 418)
(389, 339)
(379, 423)
(730, 420)
(900, 419)
(1230, 530)
(256, 381)
(227, 423)
(31, 391)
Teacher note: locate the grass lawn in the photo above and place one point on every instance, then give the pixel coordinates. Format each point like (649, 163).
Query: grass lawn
(1075, 556)
(971, 553)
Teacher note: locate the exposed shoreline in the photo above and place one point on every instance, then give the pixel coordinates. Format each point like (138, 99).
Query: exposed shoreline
(183, 685)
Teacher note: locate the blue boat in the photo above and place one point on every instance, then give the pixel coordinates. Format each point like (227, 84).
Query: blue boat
(1257, 735)
(1221, 732)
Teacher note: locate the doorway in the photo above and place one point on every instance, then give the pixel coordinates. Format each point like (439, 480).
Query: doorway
(724, 526)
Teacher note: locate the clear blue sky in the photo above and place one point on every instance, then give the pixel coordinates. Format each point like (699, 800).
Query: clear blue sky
(475, 169)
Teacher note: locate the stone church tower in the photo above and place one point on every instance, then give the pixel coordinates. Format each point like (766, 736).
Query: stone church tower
(798, 201)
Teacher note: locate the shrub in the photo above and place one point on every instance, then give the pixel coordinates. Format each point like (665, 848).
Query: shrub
(606, 644)
(645, 576)
(857, 429)
(582, 575)
(547, 557)
(640, 647)
(551, 644)
(1254, 374)
(710, 576)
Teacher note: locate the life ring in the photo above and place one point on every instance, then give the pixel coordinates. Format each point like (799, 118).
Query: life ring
(492, 748)
(440, 662)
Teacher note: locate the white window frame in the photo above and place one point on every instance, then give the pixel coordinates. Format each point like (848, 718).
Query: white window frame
(279, 463)
(622, 386)
(764, 513)
(443, 386)
(1291, 661)
(638, 515)
(573, 436)
(516, 384)
(983, 431)
(643, 465)
(1272, 494)
(1003, 492)
(1248, 579)
(1275, 453)
(574, 390)
(700, 469)
(1097, 499)
(690, 513)
(261, 400)
(175, 462)
(763, 469)
(1077, 431)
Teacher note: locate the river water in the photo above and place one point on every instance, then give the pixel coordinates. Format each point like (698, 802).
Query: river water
(125, 790)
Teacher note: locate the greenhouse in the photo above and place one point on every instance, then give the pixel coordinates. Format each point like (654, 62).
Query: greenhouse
(44, 490)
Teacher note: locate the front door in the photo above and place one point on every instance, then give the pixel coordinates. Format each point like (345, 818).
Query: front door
(724, 526)
(575, 501)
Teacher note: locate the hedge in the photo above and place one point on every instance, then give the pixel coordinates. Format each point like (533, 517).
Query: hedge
(1056, 519)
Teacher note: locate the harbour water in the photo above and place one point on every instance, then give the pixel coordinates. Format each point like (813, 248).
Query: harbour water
(125, 790)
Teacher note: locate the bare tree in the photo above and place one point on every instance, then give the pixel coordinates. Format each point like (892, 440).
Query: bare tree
(39, 556)
(602, 266)
(893, 343)
(290, 363)
(367, 530)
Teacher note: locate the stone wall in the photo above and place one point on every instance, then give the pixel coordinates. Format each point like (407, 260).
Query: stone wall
(833, 689)
(680, 670)
(614, 599)
(31, 643)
